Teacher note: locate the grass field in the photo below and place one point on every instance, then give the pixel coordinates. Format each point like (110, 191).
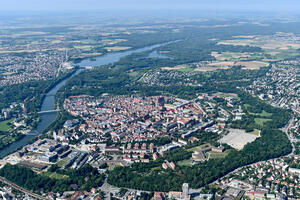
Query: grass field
(210, 68)
(262, 114)
(54, 175)
(265, 114)
(247, 106)
(181, 68)
(61, 163)
(197, 148)
(5, 125)
(135, 75)
(261, 121)
(216, 155)
(156, 169)
(279, 48)
(188, 162)
(186, 69)
(255, 132)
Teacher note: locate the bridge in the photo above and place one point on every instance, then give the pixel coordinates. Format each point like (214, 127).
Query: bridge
(48, 111)
(5, 181)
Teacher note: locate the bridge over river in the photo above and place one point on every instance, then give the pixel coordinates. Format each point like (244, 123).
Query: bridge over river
(48, 111)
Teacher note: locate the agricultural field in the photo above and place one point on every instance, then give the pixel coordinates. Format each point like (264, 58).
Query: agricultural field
(117, 48)
(212, 67)
(218, 65)
(276, 47)
(183, 67)
(236, 56)
(189, 68)
(112, 41)
(247, 65)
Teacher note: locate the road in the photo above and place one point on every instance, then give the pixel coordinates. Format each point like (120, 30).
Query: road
(286, 131)
(107, 188)
(3, 180)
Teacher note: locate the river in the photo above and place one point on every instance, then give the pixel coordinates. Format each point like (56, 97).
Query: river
(49, 100)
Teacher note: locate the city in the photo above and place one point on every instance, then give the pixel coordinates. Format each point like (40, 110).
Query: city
(129, 100)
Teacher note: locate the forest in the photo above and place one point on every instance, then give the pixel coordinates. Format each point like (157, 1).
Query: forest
(272, 144)
(31, 93)
(122, 78)
(84, 178)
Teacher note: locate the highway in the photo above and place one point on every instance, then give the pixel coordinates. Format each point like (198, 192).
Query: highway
(3, 180)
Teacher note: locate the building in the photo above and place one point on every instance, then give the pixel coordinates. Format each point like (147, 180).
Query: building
(172, 165)
(155, 156)
(294, 171)
(165, 166)
(48, 157)
(185, 190)
(218, 149)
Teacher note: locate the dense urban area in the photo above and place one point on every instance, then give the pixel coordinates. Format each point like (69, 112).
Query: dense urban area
(201, 109)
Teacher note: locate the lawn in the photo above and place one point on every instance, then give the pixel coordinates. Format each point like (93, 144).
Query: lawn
(134, 74)
(5, 125)
(261, 121)
(54, 175)
(255, 132)
(265, 114)
(215, 155)
(188, 162)
(61, 163)
(197, 148)
(156, 169)
(247, 105)
(262, 114)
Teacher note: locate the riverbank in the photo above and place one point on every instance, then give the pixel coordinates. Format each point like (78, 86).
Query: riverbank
(48, 102)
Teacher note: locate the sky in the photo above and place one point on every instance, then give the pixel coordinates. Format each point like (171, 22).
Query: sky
(85, 5)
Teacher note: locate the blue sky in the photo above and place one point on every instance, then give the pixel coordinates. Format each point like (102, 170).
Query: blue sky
(218, 5)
